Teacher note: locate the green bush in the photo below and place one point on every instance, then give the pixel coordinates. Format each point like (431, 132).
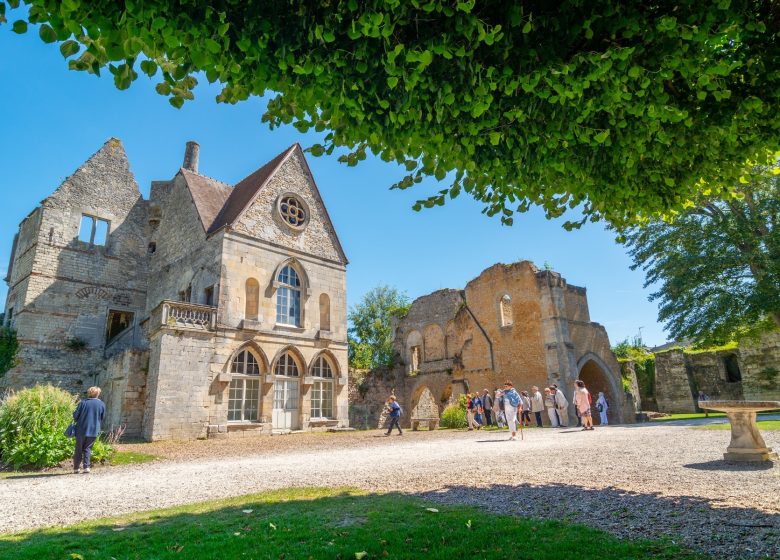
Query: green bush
(9, 348)
(32, 428)
(453, 417)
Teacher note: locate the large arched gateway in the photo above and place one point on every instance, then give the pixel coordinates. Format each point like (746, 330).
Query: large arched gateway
(596, 375)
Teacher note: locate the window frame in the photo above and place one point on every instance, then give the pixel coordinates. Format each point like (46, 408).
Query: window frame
(321, 385)
(289, 295)
(93, 230)
(239, 381)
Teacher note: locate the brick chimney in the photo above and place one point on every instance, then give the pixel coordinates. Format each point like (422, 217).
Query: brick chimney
(191, 156)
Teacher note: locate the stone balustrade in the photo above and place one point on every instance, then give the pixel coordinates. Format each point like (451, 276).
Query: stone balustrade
(183, 315)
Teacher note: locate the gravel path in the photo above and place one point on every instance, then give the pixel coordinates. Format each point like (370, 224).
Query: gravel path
(634, 481)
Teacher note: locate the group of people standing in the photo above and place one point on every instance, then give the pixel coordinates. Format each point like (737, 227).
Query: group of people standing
(498, 408)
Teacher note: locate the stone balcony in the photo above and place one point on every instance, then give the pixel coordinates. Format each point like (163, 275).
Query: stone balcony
(180, 315)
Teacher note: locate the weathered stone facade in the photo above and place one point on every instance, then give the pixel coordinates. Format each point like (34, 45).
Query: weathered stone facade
(748, 372)
(203, 312)
(511, 322)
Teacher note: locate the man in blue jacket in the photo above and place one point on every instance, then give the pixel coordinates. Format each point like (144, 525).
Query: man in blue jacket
(395, 415)
(87, 417)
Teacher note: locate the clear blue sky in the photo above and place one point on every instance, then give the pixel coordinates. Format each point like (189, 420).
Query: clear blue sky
(53, 119)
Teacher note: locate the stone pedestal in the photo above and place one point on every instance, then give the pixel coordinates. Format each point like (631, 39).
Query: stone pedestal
(746, 444)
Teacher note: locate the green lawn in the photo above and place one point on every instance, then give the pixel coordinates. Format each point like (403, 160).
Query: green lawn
(130, 458)
(326, 523)
(767, 425)
(118, 458)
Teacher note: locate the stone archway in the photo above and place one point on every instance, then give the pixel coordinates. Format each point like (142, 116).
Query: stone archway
(597, 378)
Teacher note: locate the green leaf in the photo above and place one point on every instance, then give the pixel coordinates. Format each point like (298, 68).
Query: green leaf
(392, 81)
(527, 27)
(19, 26)
(69, 48)
(602, 136)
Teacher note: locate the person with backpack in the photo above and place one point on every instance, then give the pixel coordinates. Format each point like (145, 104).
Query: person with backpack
(602, 406)
(395, 415)
(512, 403)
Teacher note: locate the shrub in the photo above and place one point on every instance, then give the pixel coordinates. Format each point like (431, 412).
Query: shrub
(9, 347)
(32, 426)
(453, 417)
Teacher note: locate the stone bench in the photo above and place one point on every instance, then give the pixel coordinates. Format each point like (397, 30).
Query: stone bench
(433, 423)
(746, 441)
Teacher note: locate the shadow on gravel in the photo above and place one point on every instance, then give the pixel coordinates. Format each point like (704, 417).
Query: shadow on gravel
(722, 465)
(696, 523)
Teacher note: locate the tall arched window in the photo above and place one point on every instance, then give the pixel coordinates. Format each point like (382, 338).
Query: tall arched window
(324, 312)
(252, 294)
(506, 311)
(288, 297)
(286, 366)
(244, 392)
(322, 389)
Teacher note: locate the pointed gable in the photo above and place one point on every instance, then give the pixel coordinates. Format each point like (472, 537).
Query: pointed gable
(286, 174)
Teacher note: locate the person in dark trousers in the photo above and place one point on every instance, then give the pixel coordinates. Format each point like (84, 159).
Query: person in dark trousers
(395, 415)
(487, 406)
(87, 417)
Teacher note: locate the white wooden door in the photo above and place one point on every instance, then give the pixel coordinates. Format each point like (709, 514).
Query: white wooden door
(285, 412)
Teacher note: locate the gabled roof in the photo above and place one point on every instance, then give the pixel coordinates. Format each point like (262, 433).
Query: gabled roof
(245, 191)
(209, 195)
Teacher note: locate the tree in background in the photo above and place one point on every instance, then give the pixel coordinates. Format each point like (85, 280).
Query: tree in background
(615, 109)
(371, 327)
(717, 264)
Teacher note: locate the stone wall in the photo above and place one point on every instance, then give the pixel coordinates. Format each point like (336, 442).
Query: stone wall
(62, 288)
(124, 391)
(680, 375)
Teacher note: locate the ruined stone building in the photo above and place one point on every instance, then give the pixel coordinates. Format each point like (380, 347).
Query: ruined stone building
(512, 322)
(207, 310)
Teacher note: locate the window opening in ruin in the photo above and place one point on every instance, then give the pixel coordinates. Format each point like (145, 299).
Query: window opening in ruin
(152, 247)
(292, 211)
(733, 373)
(244, 391)
(324, 312)
(188, 293)
(286, 366)
(252, 295)
(506, 311)
(182, 296)
(9, 317)
(93, 230)
(118, 322)
(322, 389)
(288, 298)
(208, 295)
(415, 365)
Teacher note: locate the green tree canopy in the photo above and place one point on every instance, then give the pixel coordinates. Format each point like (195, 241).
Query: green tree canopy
(371, 327)
(717, 264)
(618, 109)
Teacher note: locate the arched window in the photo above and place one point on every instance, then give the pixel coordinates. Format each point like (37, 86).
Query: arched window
(506, 311)
(322, 389)
(288, 297)
(252, 290)
(324, 312)
(286, 366)
(244, 392)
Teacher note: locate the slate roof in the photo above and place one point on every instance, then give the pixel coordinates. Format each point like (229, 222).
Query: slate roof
(208, 194)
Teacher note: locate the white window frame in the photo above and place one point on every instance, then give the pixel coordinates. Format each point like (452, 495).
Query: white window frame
(287, 292)
(245, 373)
(322, 372)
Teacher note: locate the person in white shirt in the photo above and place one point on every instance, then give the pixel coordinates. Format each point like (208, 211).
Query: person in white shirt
(537, 405)
(602, 406)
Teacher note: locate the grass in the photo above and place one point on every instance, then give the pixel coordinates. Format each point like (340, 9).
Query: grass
(327, 523)
(694, 416)
(117, 459)
(768, 425)
(130, 458)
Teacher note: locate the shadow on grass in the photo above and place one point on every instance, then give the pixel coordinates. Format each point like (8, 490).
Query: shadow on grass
(326, 523)
(697, 523)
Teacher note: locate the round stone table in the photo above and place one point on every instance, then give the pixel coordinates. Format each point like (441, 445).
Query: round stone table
(746, 441)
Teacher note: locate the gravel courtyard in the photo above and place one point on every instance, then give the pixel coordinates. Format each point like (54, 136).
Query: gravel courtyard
(658, 480)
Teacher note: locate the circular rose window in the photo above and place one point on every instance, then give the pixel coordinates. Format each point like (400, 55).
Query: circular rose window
(292, 211)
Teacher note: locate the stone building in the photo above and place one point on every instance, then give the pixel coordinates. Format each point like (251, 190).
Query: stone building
(511, 322)
(207, 310)
(751, 371)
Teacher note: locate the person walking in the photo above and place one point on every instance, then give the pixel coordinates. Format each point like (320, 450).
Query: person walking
(476, 403)
(537, 405)
(602, 406)
(704, 397)
(525, 415)
(395, 415)
(471, 412)
(582, 404)
(512, 403)
(561, 406)
(87, 417)
(487, 406)
(499, 402)
(549, 404)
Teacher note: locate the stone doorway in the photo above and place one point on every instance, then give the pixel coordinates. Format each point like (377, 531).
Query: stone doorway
(596, 378)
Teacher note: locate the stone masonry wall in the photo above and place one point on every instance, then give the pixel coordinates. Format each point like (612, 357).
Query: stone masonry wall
(124, 391)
